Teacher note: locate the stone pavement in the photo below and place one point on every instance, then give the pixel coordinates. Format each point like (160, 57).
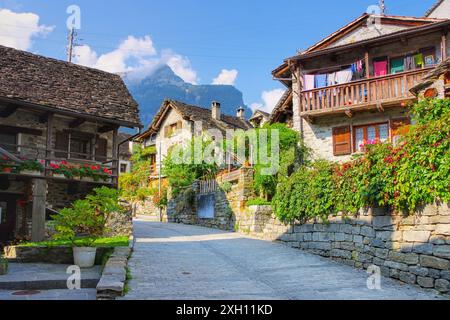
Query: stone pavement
(83, 294)
(187, 262)
(40, 276)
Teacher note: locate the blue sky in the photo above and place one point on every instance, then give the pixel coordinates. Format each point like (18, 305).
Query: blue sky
(200, 38)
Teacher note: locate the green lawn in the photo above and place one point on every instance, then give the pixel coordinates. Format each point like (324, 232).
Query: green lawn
(100, 242)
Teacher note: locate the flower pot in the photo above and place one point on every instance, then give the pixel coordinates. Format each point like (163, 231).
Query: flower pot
(3, 267)
(84, 257)
(30, 173)
(59, 175)
(87, 179)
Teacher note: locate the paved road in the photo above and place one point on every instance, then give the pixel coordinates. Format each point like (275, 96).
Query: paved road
(82, 294)
(186, 262)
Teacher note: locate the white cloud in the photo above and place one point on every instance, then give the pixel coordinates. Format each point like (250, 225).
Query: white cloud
(17, 30)
(226, 77)
(135, 49)
(138, 57)
(180, 65)
(270, 100)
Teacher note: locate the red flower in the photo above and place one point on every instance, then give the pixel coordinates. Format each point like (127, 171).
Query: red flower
(7, 170)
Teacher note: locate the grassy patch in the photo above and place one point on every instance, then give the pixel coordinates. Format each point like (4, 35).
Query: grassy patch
(126, 289)
(100, 242)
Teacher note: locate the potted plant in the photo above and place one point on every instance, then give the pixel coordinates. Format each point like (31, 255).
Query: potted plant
(3, 266)
(80, 225)
(31, 167)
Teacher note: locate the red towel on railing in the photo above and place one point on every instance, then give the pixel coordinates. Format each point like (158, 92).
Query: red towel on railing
(380, 68)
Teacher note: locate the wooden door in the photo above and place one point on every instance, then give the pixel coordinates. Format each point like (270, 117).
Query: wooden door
(7, 217)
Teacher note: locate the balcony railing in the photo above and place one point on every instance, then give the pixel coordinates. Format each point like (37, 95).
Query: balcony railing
(361, 94)
(49, 156)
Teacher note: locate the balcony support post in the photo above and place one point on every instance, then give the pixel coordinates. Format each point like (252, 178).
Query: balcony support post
(48, 144)
(115, 162)
(444, 52)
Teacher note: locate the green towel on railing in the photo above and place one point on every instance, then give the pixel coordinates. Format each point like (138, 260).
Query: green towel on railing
(397, 65)
(418, 60)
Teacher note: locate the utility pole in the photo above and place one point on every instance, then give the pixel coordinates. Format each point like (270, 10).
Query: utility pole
(382, 7)
(70, 45)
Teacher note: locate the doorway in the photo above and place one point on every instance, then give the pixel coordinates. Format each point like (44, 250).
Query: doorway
(7, 217)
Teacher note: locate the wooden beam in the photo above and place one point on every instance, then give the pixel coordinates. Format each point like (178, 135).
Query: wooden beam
(107, 128)
(48, 146)
(444, 45)
(115, 151)
(44, 117)
(8, 111)
(349, 113)
(12, 129)
(380, 107)
(76, 123)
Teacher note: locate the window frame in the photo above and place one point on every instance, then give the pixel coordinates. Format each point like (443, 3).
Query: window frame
(16, 142)
(366, 126)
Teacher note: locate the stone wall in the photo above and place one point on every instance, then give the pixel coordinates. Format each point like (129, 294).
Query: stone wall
(413, 249)
(229, 203)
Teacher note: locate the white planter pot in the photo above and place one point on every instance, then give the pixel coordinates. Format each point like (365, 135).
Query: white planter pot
(87, 179)
(61, 176)
(84, 257)
(30, 173)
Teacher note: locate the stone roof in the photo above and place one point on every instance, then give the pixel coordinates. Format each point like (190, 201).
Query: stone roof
(281, 105)
(65, 86)
(432, 76)
(259, 113)
(195, 113)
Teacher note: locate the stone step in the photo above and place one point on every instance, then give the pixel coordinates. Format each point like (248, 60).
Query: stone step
(31, 276)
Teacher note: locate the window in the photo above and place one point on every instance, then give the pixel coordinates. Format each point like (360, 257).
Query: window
(369, 134)
(80, 148)
(342, 141)
(172, 129)
(8, 141)
(123, 168)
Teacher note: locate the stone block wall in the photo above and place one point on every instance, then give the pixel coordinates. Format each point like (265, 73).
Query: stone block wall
(414, 249)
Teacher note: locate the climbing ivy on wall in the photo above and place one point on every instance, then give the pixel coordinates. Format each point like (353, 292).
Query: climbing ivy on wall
(413, 173)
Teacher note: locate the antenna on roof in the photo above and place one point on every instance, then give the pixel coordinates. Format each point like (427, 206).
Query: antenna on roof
(382, 7)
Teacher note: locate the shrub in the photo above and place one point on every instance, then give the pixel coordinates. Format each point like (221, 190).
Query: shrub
(86, 218)
(413, 173)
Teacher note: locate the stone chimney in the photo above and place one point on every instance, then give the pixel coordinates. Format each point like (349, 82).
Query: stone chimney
(215, 107)
(241, 113)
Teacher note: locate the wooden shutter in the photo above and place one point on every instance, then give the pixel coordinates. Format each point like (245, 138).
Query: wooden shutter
(342, 144)
(166, 131)
(101, 150)
(62, 144)
(400, 127)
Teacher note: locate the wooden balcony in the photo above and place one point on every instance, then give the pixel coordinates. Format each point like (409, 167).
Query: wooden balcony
(47, 157)
(366, 94)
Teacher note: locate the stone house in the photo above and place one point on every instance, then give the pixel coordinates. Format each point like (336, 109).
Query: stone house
(353, 87)
(126, 146)
(54, 114)
(259, 118)
(176, 123)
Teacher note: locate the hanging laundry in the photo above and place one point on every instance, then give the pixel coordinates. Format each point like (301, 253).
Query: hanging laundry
(320, 80)
(397, 65)
(308, 81)
(418, 60)
(380, 68)
(408, 63)
(344, 76)
(331, 79)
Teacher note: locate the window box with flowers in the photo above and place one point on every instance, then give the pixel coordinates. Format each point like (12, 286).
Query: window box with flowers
(88, 173)
(6, 166)
(31, 167)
